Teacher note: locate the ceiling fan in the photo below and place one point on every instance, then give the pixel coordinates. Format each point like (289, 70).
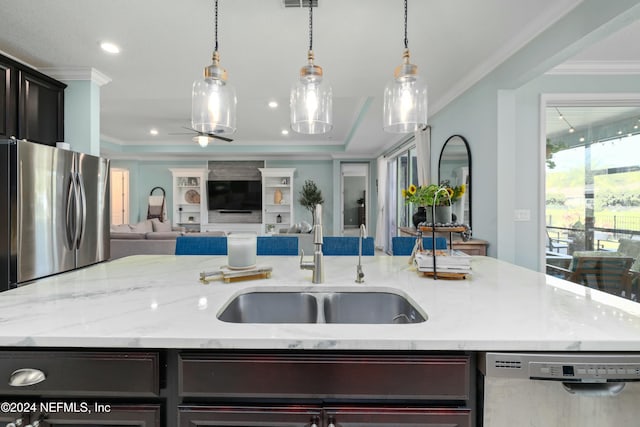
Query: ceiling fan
(203, 134)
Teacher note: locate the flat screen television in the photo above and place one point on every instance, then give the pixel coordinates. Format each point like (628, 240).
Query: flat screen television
(238, 195)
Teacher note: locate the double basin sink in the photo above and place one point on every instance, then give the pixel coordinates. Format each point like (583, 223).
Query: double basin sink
(355, 307)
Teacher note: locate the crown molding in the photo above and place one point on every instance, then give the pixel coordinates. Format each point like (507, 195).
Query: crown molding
(594, 68)
(77, 73)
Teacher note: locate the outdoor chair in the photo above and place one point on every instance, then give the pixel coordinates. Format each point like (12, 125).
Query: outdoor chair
(608, 274)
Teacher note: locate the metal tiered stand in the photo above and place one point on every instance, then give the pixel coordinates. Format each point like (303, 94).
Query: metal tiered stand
(447, 228)
(455, 228)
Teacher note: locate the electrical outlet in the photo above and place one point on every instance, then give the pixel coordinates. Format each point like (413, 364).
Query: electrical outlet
(522, 215)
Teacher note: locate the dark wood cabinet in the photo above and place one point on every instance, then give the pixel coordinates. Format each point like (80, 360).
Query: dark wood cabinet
(317, 416)
(104, 415)
(266, 416)
(81, 388)
(40, 109)
(8, 100)
(31, 104)
(84, 414)
(344, 390)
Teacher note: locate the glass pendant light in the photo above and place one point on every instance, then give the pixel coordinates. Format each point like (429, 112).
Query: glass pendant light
(405, 97)
(311, 103)
(213, 100)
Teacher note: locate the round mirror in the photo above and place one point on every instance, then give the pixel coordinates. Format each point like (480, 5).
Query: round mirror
(454, 169)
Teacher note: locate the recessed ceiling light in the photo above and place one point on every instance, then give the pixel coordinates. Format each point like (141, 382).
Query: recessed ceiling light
(285, 132)
(273, 104)
(110, 47)
(153, 131)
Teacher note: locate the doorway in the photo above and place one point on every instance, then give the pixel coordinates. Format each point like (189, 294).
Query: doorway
(119, 196)
(354, 197)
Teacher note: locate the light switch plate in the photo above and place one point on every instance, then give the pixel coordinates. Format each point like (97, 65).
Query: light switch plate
(522, 215)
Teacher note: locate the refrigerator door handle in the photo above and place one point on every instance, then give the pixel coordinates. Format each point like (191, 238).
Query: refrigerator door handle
(70, 224)
(83, 209)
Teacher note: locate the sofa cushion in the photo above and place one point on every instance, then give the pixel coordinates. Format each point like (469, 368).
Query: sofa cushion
(128, 236)
(120, 228)
(163, 235)
(158, 225)
(142, 227)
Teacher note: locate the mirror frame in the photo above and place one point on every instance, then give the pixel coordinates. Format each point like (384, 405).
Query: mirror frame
(470, 189)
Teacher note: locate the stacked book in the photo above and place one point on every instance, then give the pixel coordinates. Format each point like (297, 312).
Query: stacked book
(446, 262)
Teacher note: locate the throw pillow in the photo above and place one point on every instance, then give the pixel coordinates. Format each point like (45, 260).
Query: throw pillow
(142, 227)
(159, 225)
(121, 228)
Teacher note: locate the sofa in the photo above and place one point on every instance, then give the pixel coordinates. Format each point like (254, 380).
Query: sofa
(148, 237)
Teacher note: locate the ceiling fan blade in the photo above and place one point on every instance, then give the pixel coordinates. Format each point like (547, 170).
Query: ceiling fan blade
(223, 138)
(210, 135)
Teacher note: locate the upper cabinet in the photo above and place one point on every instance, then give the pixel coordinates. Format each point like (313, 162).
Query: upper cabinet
(31, 104)
(8, 105)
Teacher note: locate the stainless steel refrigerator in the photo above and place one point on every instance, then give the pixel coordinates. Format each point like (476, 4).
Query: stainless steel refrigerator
(54, 211)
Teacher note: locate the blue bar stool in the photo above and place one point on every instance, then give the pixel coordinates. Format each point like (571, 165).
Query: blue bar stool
(346, 245)
(403, 245)
(277, 245)
(201, 245)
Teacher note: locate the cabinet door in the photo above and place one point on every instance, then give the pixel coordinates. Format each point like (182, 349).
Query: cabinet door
(268, 416)
(395, 417)
(101, 415)
(8, 101)
(41, 110)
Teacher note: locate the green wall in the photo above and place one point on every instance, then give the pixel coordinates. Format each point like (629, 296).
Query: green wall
(320, 172)
(143, 176)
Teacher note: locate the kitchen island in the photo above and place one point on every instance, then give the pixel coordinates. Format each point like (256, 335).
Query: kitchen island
(140, 336)
(156, 301)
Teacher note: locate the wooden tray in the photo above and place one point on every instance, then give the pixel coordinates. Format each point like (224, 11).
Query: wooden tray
(445, 275)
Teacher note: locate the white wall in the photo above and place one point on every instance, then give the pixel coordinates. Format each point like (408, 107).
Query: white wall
(499, 117)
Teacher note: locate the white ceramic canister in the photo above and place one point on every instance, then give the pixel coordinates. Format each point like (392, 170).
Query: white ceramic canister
(241, 250)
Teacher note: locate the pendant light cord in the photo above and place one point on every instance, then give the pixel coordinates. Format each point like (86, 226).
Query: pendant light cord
(310, 26)
(216, 26)
(406, 40)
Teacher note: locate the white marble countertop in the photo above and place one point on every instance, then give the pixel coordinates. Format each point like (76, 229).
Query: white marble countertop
(158, 302)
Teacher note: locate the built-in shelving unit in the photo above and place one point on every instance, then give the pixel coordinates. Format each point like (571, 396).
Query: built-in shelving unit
(189, 198)
(277, 199)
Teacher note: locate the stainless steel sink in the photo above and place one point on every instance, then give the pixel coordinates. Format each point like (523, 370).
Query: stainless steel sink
(271, 307)
(371, 307)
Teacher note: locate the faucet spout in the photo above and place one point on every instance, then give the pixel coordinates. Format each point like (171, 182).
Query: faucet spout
(359, 272)
(317, 265)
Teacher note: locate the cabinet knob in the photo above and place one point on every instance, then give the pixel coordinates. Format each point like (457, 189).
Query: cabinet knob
(26, 377)
(17, 423)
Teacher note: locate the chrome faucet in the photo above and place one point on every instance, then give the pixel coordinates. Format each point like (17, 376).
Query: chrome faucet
(317, 265)
(359, 272)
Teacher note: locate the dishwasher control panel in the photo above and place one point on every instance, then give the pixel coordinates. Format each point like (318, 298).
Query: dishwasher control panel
(584, 371)
(567, 367)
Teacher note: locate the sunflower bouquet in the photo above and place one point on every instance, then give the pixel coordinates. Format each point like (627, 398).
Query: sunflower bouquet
(428, 195)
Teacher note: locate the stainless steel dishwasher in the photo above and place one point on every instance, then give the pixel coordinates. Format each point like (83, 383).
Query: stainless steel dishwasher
(560, 389)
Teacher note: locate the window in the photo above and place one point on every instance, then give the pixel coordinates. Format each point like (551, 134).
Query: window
(402, 172)
(592, 192)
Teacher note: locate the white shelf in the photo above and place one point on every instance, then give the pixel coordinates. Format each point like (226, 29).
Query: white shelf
(185, 182)
(272, 181)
